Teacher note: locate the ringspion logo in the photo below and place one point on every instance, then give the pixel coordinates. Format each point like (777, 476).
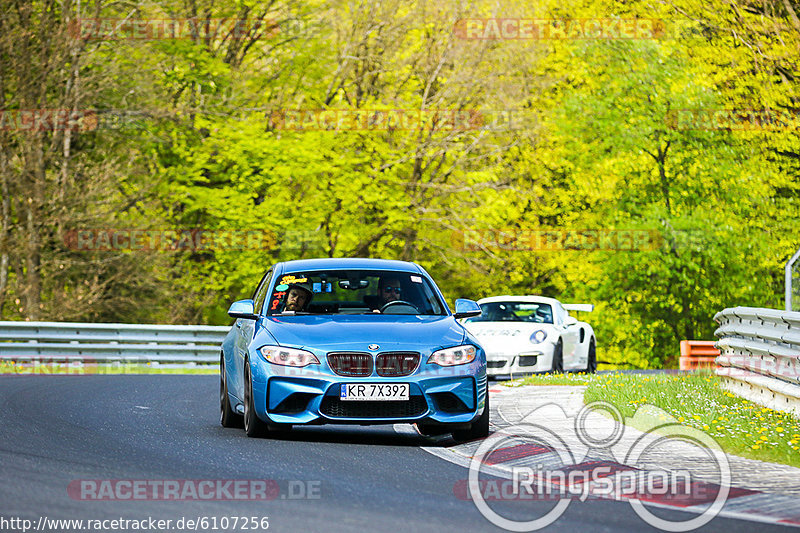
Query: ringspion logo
(539, 464)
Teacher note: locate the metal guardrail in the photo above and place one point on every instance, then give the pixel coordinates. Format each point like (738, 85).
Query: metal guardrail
(760, 355)
(74, 341)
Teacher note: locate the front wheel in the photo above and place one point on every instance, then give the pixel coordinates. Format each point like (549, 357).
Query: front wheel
(253, 426)
(591, 363)
(479, 428)
(557, 366)
(228, 418)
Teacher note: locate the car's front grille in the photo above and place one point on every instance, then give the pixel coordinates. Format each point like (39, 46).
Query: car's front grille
(528, 360)
(390, 364)
(353, 364)
(333, 407)
(495, 364)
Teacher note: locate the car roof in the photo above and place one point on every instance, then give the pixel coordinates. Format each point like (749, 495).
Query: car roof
(350, 263)
(525, 299)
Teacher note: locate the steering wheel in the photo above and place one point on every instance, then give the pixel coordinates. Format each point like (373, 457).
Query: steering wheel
(400, 302)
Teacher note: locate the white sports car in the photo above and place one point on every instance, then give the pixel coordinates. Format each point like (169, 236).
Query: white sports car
(528, 334)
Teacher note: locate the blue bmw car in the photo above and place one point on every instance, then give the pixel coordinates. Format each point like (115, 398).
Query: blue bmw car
(352, 341)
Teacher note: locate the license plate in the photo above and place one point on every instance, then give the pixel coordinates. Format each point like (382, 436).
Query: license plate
(375, 391)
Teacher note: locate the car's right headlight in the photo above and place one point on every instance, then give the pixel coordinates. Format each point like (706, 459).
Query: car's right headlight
(458, 355)
(278, 355)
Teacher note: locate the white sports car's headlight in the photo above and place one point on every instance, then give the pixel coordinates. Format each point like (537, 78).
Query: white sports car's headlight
(458, 355)
(538, 336)
(278, 355)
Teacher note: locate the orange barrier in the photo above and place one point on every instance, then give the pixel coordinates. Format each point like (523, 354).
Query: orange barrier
(698, 354)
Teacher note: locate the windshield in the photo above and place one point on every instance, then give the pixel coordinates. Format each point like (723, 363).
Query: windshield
(354, 292)
(540, 313)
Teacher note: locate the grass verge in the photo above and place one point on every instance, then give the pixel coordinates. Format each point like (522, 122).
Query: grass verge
(696, 400)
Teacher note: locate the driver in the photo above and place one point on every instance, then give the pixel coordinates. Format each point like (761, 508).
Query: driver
(297, 298)
(388, 291)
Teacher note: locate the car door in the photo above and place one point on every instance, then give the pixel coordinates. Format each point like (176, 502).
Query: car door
(245, 331)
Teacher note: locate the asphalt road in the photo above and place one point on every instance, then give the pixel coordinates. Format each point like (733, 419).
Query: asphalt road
(57, 430)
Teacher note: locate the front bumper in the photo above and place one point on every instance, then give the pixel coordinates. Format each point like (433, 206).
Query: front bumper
(528, 362)
(438, 395)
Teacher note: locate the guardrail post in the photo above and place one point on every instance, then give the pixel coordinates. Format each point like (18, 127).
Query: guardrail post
(788, 273)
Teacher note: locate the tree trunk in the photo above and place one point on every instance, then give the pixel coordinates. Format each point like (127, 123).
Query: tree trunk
(33, 257)
(5, 200)
(5, 213)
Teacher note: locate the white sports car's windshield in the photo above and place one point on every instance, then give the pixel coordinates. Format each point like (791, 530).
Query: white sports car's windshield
(540, 313)
(354, 292)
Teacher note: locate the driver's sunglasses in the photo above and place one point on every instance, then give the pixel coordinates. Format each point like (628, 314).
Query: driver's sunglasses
(396, 290)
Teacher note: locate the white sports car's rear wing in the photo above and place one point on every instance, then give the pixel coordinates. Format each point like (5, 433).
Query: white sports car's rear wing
(588, 308)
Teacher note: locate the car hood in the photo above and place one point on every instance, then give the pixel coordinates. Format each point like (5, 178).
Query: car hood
(508, 334)
(357, 332)
(507, 330)
(510, 337)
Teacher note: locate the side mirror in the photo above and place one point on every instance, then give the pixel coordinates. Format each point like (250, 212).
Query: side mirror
(243, 309)
(466, 308)
(570, 321)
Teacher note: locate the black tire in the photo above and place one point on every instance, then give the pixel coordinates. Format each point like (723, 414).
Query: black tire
(228, 418)
(253, 426)
(557, 366)
(591, 362)
(479, 428)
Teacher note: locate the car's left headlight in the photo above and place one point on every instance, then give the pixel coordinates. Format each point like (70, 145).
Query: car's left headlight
(278, 355)
(538, 336)
(458, 355)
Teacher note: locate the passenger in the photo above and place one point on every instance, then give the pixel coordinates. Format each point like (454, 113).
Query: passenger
(297, 298)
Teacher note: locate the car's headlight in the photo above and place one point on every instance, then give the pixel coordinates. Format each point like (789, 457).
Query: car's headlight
(278, 355)
(538, 336)
(458, 355)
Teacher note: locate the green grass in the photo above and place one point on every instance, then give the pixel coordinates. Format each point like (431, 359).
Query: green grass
(10, 367)
(696, 400)
(570, 378)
